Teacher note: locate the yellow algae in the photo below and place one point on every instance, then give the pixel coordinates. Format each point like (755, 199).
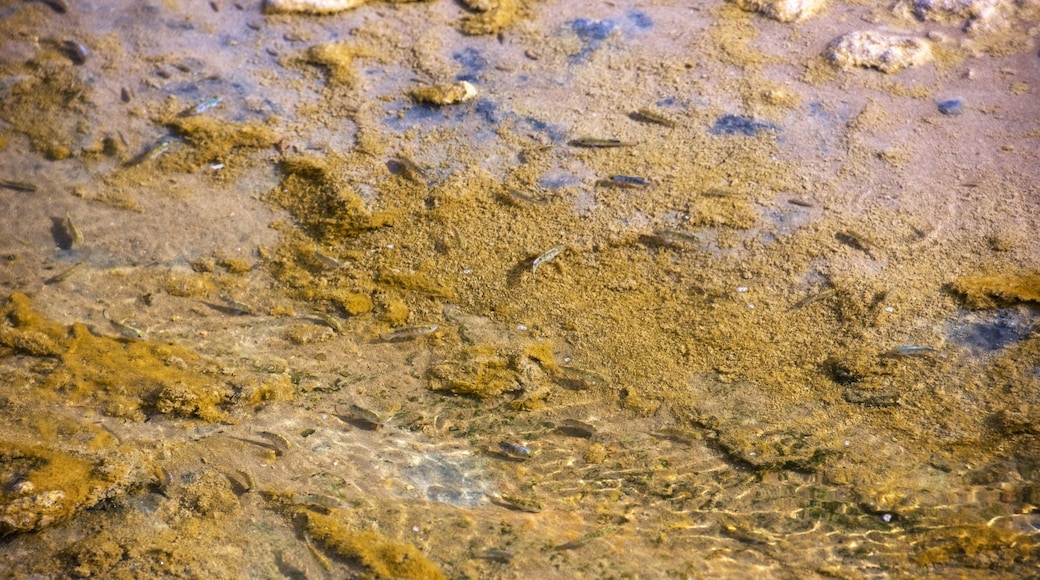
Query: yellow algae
(323, 203)
(977, 546)
(306, 333)
(985, 291)
(416, 282)
(731, 38)
(44, 486)
(722, 210)
(386, 558)
(271, 390)
(541, 351)
(355, 303)
(214, 139)
(47, 106)
(396, 312)
(493, 18)
(235, 265)
(481, 371)
(121, 377)
(210, 494)
(187, 285)
(338, 59)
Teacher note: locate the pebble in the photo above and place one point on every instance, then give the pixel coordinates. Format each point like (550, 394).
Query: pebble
(952, 107)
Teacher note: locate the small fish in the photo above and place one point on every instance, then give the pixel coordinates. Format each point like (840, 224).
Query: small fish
(18, 185)
(678, 435)
(76, 52)
(518, 198)
(580, 379)
(236, 307)
(576, 428)
(545, 257)
(332, 322)
(269, 446)
(404, 334)
(651, 116)
(496, 555)
(598, 143)
(624, 181)
(857, 241)
(317, 499)
(326, 260)
(912, 350)
(670, 237)
(61, 277)
(361, 417)
(124, 328)
(281, 442)
(241, 481)
(514, 450)
(74, 233)
(59, 6)
(152, 152)
(513, 502)
(586, 538)
(812, 298)
(163, 481)
(201, 107)
(410, 170)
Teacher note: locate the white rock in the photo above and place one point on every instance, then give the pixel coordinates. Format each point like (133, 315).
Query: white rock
(886, 52)
(783, 10)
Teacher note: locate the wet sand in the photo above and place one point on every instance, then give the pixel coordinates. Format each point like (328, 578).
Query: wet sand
(519, 289)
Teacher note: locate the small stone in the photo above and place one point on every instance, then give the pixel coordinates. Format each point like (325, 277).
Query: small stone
(445, 94)
(952, 107)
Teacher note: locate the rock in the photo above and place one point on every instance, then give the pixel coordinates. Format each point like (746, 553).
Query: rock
(310, 6)
(888, 53)
(459, 92)
(783, 10)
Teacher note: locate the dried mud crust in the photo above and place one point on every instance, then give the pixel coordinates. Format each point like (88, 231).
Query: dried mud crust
(522, 329)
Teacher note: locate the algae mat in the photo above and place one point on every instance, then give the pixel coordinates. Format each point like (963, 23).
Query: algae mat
(519, 289)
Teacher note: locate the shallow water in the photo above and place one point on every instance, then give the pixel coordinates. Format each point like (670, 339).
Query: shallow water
(321, 329)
